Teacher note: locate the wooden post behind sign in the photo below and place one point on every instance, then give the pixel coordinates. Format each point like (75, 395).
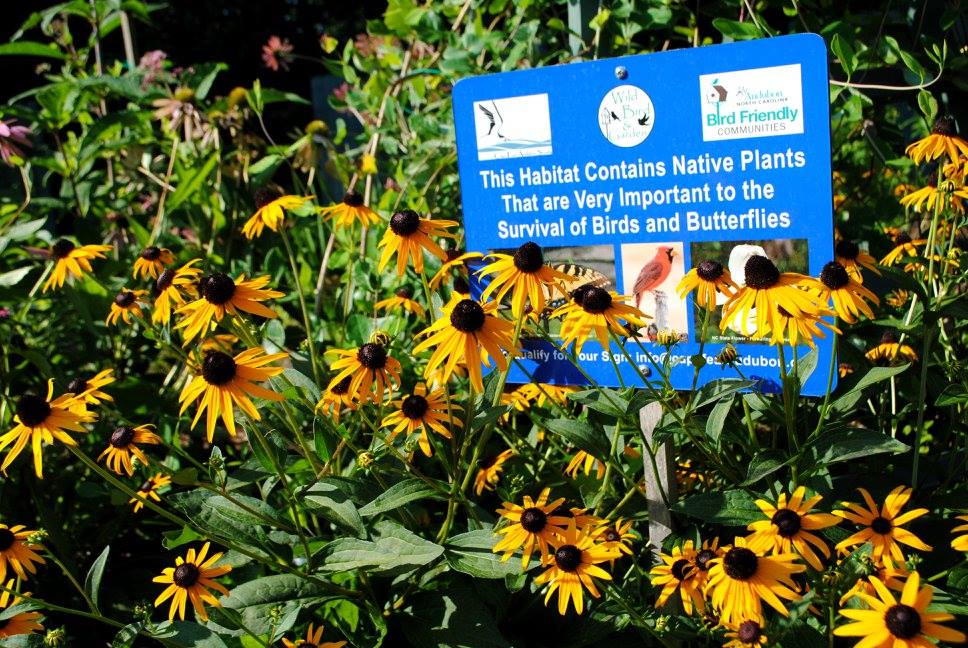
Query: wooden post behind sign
(663, 476)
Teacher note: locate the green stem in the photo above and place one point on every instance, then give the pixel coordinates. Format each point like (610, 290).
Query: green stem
(314, 360)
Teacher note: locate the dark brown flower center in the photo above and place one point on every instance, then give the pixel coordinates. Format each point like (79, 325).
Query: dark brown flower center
(902, 239)
(787, 522)
(749, 632)
(881, 525)
(265, 195)
(414, 406)
(372, 356)
(533, 520)
(461, 286)
(903, 621)
(76, 386)
(122, 437)
(703, 558)
(889, 337)
(404, 293)
(218, 288)
(124, 298)
(151, 253)
(452, 255)
(218, 368)
(164, 280)
(353, 199)
(341, 387)
(680, 569)
(7, 538)
(61, 248)
(709, 270)
(467, 316)
(944, 125)
(740, 563)
(761, 273)
(578, 294)
(528, 258)
(834, 276)
(847, 250)
(611, 535)
(186, 575)
(32, 410)
(596, 300)
(568, 557)
(404, 223)
(146, 486)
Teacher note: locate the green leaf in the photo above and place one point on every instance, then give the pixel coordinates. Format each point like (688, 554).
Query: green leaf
(92, 583)
(580, 434)
(255, 599)
(764, 464)
(188, 635)
(607, 401)
(335, 506)
(455, 617)
(806, 365)
(928, 105)
(729, 508)
(953, 394)
(221, 519)
(187, 188)
(395, 549)
(12, 278)
(737, 30)
(852, 443)
(31, 48)
(263, 170)
(471, 553)
(401, 493)
(845, 54)
(126, 635)
(872, 377)
(717, 417)
(718, 389)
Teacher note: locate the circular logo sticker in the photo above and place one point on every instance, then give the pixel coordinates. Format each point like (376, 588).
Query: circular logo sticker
(626, 116)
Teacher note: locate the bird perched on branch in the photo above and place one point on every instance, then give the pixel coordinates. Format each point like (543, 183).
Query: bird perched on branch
(653, 273)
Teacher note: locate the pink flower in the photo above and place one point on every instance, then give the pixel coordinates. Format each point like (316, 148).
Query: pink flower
(340, 93)
(10, 136)
(277, 53)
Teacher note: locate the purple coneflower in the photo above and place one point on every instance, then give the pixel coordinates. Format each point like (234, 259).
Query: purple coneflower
(10, 137)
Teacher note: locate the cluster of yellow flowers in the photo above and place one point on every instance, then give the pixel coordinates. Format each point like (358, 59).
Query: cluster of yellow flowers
(730, 584)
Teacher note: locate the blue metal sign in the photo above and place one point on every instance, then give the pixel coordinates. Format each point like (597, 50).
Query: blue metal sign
(632, 170)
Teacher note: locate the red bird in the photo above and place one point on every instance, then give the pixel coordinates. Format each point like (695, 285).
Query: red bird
(653, 273)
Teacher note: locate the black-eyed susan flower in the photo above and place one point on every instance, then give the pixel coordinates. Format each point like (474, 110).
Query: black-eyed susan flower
(71, 260)
(678, 573)
(350, 210)
(89, 391)
(574, 567)
(935, 193)
(21, 623)
(455, 259)
(584, 462)
(893, 623)
(942, 140)
(710, 280)
(891, 575)
(191, 579)
(960, 543)
(226, 382)
(17, 552)
(848, 297)
(796, 330)
(221, 295)
(766, 290)
(534, 524)
(371, 370)
(152, 261)
(420, 412)
(270, 211)
(596, 310)
(618, 535)
(149, 490)
(468, 333)
(891, 351)
(788, 527)
(848, 254)
(705, 555)
(126, 304)
(402, 298)
(171, 289)
(904, 247)
(742, 579)
(523, 274)
(123, 444)
(314, 639)
(898, 298)
(883, 525)
(43, 420)
(408, 236)
(335, 398)
(490, 473)
(541, 394)
(745, 634)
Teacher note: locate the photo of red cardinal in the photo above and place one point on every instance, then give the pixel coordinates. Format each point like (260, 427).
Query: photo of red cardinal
(653, 273)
